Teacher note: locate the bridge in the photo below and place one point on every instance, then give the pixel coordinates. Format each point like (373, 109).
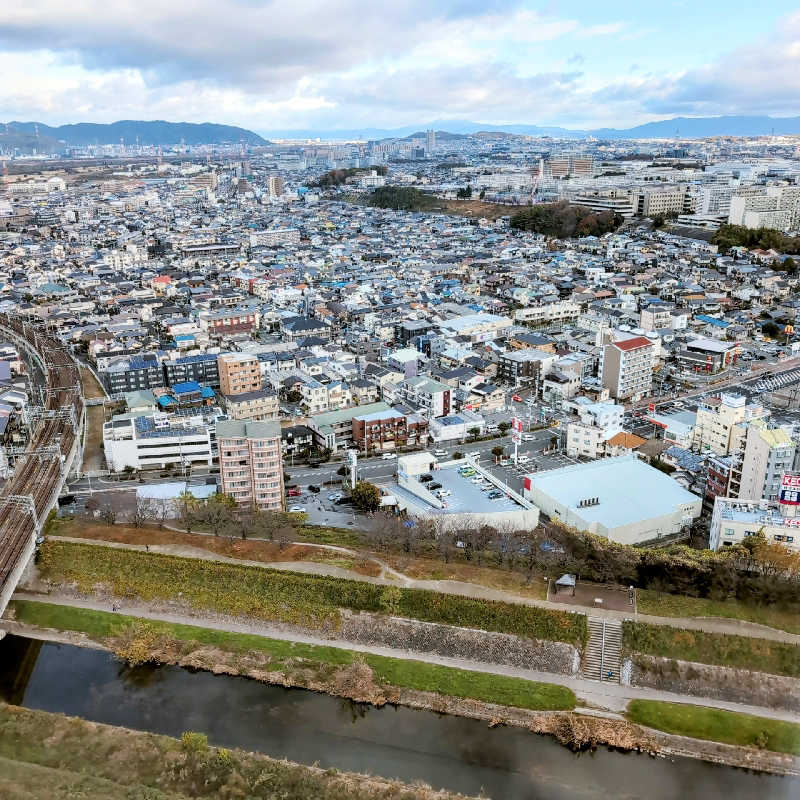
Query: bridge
(54, 449)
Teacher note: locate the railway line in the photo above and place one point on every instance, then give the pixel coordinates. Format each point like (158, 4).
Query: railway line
(41, 468)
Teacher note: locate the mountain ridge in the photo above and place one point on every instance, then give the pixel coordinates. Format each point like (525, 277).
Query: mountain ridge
(687, 127)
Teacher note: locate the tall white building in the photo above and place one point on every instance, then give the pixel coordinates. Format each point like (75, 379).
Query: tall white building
(626, 367)
(768, 454)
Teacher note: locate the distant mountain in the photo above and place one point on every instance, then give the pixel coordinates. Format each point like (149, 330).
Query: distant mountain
(154, 132)
(686, 127)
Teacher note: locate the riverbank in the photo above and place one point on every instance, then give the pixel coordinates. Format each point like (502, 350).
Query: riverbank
(358, 680)
(45, 756)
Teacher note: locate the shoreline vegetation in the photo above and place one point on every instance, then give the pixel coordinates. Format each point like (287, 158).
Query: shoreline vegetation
(46, 756)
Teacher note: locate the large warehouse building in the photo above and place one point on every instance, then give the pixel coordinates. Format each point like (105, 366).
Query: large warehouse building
(621, 498)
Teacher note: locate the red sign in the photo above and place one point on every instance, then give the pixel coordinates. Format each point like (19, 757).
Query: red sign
(468, 407)
(790, 489)
(516, 398)
(516, 424)
(651, 407)
(526, 482)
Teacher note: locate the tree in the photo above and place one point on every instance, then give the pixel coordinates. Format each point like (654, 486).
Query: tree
(143, 512)
(770, 329)
(187, 509)
(457, 455)
(498, 452)
(503, 427)
(366, 496)
(217, 513)
(474, 432)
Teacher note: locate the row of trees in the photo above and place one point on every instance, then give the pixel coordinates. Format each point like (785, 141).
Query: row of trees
(337, 177)
(759, 572)
(403, 198)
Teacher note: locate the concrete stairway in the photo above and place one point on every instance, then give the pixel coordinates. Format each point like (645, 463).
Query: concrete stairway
(601, 660)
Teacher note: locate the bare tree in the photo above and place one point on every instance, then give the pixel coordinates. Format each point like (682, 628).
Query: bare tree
(142, 513)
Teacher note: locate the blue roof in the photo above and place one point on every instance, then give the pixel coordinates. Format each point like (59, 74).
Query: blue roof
(184, 387)
(196, 359)
(165, 400)
(206, 391)
(184, 337)
(719, 323)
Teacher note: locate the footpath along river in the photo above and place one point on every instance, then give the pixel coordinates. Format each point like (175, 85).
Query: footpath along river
(447, 752)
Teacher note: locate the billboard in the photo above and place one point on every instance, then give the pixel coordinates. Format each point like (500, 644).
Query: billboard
(790, 489)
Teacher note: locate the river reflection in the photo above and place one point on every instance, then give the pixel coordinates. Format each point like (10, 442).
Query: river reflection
(446, 752)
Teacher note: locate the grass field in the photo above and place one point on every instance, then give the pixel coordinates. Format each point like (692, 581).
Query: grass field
(53, 757)
(407, 674)
(712, 648)
(308, 600)
(672, 605)
(728, 727)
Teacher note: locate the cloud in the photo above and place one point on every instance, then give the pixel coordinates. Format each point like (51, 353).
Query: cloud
(343, 63)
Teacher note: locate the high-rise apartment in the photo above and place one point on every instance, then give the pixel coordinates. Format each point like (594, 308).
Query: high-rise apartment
(250, 463)
(768, 454)
(238, 373)
(626, 367)
(720, 426)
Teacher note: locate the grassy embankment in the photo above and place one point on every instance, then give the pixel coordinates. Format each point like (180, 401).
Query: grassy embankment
(714, 725)
(287, 656)
(52, 757)
(309, 600)
(719, 649)
(673, 605)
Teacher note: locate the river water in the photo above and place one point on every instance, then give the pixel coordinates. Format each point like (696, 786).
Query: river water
(447, 752)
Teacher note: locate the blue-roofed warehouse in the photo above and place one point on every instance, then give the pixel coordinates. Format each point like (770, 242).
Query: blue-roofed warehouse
(623, 499)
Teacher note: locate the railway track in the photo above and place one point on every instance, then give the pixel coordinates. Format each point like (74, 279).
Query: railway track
(38, 476)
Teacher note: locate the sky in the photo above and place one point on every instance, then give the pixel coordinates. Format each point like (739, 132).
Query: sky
(327, 64)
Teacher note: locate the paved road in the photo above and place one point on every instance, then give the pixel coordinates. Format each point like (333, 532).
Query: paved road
(609, 696)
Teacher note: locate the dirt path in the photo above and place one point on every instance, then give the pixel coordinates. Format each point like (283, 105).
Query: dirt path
(391, 577)
(604, 696)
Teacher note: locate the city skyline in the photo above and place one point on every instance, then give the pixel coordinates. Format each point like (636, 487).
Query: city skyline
(346, 64)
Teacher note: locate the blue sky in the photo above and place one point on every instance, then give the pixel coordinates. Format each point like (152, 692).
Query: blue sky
(350, 63)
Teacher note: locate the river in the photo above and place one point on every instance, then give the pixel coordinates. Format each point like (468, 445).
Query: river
(445, 751)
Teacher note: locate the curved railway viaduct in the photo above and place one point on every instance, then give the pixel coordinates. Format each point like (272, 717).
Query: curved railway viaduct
(53, 451)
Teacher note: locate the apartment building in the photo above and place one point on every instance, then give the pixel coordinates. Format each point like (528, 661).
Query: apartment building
(525, 366)
(626, 368)
(426, 394)
(656, 317)
(768, 454)
(225, 323)
(202, 368)
(721, 423)
(278, 236)
(129, 374)
(388, 430)
(548, 313)
(250, 463)
(259, 405)
(666, 200)
(238, 373)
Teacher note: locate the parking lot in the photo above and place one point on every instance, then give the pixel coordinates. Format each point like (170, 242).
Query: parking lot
(513, 474)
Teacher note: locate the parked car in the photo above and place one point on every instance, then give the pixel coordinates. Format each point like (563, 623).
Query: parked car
(425, 478)
(298, 509)
(440, 453)
(432, 486)
(523, 459)
(477, 479)
(495, 495)
(344, 501)
(475, 454)
(293, 492)
(388, 456)
(313, 488)
(334, 496)
(443, 493)
(528, 437)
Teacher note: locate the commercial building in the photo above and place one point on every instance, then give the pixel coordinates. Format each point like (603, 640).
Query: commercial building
(238, 373)
(708, 355)
(477, 327)
(734, 521)
(158, 440)
(622, 499)
(250, 463)
(626, 368)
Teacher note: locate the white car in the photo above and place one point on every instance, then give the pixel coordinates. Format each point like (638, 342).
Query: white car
(476, 455)
(443, 493)
(298, 509)
(477, 479)
(523, 459)
(528, 437)
(335, 496)
(440, 453)
(388, 456)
